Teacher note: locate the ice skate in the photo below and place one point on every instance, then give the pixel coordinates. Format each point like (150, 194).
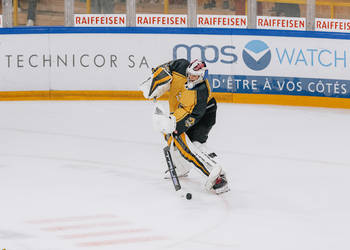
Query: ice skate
(221, 185)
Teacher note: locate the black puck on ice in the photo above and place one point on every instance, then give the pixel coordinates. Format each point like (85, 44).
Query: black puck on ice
(188, 196)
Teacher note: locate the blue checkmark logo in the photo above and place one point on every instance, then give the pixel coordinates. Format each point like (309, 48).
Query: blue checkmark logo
(256, 55)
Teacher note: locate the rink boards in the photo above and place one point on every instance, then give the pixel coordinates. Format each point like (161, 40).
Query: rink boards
(245, 66)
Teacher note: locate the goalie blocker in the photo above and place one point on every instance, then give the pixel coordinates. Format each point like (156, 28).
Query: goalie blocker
(192, 116)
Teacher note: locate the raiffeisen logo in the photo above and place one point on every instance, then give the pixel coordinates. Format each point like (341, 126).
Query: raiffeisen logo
(256, 55)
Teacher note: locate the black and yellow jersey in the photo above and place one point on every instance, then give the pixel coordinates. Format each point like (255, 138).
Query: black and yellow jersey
(188, 105)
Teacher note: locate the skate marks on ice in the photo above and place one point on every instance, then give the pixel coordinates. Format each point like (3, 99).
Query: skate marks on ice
(12, 235)
(78, 136)
(96, 230)
(216, 214)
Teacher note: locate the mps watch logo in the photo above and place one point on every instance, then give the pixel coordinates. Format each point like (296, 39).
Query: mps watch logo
(256, 55)
(207, 53)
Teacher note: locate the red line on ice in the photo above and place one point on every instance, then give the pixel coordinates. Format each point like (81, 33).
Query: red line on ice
(121, 241)
(84, 226)
(116, 232)
(73, 218)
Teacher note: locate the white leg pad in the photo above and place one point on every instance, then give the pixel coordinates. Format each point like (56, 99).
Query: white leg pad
(214, 173)
(197, 149)
(210, 163)
(183, 167)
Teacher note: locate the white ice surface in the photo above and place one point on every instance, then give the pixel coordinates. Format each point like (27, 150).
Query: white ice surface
(89, 175)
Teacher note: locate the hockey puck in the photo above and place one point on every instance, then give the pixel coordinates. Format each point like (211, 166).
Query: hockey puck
(188, 196)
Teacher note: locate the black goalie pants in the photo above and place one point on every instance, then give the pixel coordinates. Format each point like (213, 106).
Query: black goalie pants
(200, 131)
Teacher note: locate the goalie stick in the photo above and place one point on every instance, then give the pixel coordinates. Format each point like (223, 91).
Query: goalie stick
(171, 168)
(169, 160)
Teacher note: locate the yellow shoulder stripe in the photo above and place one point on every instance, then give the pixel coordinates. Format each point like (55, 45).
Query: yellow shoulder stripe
(180, 75)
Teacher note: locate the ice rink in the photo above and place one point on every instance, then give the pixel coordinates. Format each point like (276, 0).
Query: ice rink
(89, 175)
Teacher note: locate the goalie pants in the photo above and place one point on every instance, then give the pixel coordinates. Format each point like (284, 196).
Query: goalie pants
(199, 132)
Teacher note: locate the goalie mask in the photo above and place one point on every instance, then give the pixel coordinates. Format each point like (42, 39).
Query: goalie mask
(159, 84)
(195, 73)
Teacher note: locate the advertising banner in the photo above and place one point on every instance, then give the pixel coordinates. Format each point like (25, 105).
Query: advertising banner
(98, 20)
(161, 20)
(281, 23)
(274, 65)
(209, 21)
(222, 21)
(299, 66)
(332, 25)
(25, 62)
